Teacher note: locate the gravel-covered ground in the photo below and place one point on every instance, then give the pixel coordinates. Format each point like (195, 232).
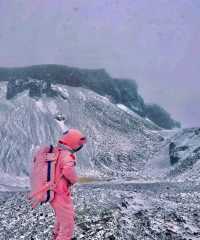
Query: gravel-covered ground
(161, 211)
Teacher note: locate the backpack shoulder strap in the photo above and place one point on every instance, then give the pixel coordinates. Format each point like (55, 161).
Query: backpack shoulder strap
(61, 174)
(51, 148)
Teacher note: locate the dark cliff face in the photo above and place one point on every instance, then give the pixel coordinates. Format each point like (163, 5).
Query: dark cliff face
(128, 95)
(38, 80)
(36, 87)
(160, 116)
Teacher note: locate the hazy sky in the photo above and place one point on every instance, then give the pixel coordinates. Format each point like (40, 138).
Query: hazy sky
(156, 42)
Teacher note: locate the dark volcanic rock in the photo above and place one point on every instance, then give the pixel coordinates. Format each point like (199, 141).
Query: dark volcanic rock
(36, 88)
(160, 116)
(173, 153)
(105, 213)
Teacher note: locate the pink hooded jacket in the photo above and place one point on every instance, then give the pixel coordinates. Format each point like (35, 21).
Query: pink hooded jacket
(66, 166)
(62, 203)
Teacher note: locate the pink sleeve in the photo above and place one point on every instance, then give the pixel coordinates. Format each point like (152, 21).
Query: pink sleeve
(68, 169)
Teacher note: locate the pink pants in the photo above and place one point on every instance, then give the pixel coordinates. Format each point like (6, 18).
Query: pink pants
(64, 211)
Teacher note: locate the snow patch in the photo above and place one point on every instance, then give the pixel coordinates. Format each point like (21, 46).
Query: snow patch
(106, 99)
(61, 89)
(40, 105)
(146, 118)
(83, 97)
(52, 107)
(128, 110)
(9, 181)
(123, 107)
(64, 91)
(3, 89)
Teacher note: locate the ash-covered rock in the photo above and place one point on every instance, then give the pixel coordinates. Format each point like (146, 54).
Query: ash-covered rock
(114, 212)
(178, 159)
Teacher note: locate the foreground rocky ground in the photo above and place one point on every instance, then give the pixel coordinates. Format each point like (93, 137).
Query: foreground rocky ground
(163, 211)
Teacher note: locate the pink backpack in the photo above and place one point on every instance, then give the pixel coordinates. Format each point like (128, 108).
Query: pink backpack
(42, 177)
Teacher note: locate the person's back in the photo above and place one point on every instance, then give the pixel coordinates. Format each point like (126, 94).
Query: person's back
(69, 143)
(66, 162)
(53, 173)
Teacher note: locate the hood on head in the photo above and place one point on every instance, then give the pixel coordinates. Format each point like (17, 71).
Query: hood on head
(73, 138)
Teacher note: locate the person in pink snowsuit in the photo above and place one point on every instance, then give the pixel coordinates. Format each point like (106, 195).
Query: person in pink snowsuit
(71, 141)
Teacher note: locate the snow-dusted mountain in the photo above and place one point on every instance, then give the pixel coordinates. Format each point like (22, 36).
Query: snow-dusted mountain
(151, 175)
(38, 80)
(119, 143)
(122, 140)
